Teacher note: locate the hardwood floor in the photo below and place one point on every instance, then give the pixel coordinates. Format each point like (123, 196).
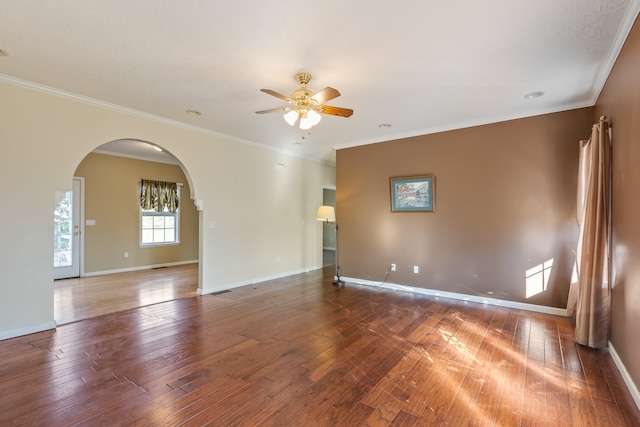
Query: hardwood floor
(301, 352)
(81, 298)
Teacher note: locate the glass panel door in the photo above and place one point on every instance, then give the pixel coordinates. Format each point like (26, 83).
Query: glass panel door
(66, 242)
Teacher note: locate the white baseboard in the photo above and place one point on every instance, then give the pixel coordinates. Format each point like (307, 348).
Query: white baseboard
(462, 297)
(208, 290)
(5, 335)
(142, 267)
(633, 389)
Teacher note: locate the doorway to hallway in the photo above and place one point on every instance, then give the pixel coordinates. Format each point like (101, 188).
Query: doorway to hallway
(328, 230)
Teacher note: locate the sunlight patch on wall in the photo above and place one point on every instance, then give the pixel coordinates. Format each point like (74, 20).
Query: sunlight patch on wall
(537, 278)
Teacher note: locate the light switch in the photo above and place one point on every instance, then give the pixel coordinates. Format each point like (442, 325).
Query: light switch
(90, 222)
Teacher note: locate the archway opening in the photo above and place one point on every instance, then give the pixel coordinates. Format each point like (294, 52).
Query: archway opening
(119, 269)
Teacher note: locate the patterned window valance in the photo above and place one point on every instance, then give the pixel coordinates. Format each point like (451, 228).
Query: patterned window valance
(157, 195)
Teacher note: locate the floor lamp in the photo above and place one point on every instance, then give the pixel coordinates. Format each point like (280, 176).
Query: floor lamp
(328, 214)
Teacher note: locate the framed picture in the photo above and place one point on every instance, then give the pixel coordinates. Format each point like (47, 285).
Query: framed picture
(412, 193)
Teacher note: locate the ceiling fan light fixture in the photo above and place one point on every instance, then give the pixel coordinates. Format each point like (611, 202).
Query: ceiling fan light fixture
(308, 119)
(291, 117)
(307, 105)
(314, 116)
(305, 123)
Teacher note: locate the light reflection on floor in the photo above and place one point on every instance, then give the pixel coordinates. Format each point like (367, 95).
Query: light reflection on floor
(82, 298)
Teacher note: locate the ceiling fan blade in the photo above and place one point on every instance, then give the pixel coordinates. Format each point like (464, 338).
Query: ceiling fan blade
(277, 95)
(335, 111)
(273, 110)
(325, 95)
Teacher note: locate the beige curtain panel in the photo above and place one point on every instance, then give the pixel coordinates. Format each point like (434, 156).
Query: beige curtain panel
(590, 293)
(156, 195)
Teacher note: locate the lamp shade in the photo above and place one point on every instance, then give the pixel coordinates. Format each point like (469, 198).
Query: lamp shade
(308, 119)
(314, 117)
(326, 213)
(291, 117)
(305, 123)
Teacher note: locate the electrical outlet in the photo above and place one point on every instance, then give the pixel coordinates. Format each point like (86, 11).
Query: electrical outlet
(416, 269)
(126, 254)
(393, 267)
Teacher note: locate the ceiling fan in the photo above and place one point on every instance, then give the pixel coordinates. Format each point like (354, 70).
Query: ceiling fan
(306, 105)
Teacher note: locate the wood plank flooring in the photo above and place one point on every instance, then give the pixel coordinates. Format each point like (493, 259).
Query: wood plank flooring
(300, 352)
(84, 297)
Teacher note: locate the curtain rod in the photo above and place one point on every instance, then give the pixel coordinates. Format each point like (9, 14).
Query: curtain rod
(605, 119)
(179, 184)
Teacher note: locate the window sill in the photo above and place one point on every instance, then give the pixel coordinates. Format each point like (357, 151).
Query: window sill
(156, 245)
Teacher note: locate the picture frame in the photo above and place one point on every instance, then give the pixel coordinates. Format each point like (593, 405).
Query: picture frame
(412, 193)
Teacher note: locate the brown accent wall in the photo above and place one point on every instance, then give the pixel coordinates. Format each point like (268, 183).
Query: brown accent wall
(111, 199)
(620, 100)
(504, 204)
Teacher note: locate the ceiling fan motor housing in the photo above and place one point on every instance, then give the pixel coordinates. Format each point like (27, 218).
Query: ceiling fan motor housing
(302, 96)
(303, 78)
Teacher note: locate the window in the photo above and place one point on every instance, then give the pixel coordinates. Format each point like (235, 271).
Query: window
(159, 213)
(159, 227)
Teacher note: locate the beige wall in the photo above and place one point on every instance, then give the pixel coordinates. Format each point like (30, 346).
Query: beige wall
(264, 215)
(504, 203)
(329, 175)
(111, 199)
(620, 100)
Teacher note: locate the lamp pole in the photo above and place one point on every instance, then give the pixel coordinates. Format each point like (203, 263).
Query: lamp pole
(337, 280)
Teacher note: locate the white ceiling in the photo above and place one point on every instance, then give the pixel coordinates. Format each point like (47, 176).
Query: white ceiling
(422, 66)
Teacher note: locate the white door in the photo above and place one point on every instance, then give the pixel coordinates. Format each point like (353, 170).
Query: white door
(67, 229)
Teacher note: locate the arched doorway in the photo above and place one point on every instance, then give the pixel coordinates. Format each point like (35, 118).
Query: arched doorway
(118, 270)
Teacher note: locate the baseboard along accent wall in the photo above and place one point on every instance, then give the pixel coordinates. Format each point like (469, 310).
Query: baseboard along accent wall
(461, 297)
(633, 389)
